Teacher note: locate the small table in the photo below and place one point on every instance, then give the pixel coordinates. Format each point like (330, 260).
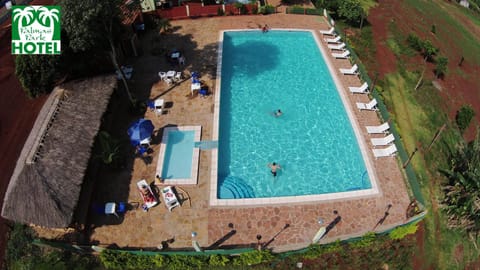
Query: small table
(110, 208)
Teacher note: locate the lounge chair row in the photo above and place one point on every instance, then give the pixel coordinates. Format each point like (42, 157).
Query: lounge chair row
(389, 139)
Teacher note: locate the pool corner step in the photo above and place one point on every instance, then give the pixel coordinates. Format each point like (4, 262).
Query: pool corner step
(205, 145)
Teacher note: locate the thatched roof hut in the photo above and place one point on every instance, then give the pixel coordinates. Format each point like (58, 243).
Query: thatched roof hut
(46, 183)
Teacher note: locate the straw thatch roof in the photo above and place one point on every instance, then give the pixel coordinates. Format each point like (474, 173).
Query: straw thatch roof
(46, 183)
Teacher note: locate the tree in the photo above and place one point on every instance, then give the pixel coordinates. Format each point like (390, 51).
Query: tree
(37, 73)
(462, 190)
(94, 25)
(441, 67)
(351, 11)
(464, 117)
(428, 50)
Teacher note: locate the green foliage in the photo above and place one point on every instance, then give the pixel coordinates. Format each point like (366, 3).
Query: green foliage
(464, 117)
(267, 9)
(441, 66)
(110, 149)
(367, 240)
(255, 9)
(351, 11)
(90, 24)
(242, 7)
(160, 260)
(402, 231)
(19, 243)
(253, 257)
(428, 50)
(22, 254)
(415, 42)
(218, 260)
(180, 262)
(220, 12)
(315, 251)
(463, 187)
(164, 25)
(37, 73)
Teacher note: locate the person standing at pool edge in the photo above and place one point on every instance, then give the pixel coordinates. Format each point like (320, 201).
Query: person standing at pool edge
(273, 168)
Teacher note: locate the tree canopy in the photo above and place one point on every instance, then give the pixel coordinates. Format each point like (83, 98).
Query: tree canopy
(462, 189)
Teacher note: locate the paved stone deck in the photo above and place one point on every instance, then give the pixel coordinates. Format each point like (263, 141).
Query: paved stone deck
(197, 38)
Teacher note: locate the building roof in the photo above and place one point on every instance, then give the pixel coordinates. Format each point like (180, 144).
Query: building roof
(46, 183)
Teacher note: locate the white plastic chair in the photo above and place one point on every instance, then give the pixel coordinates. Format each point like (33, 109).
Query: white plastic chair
(159, 106)
(385, 152)
(383, 128)
(383, 141)
(363, 89)
(178, 76)
(162, 75)
(370, 106)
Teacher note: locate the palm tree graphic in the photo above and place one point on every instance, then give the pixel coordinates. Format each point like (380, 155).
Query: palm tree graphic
(37, 18)
(23, 17)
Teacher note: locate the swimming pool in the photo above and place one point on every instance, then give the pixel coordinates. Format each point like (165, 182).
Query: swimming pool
(314, 140)
(178, 156)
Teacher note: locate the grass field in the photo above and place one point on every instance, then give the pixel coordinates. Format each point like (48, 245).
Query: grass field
(419, 114)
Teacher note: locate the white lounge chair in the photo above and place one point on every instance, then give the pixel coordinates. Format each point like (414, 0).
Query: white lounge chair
(363, 89)
(383, 141)
(344, 55)
(383, 128)
(370, 106)
(349, 71)
(337, 46)
(330, 32)
(385, 152)
(333, 40)
(149, 199)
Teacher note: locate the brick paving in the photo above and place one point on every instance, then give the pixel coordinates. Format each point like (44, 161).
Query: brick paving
(198, 40)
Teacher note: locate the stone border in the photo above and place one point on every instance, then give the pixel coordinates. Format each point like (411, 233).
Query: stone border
(195, 158)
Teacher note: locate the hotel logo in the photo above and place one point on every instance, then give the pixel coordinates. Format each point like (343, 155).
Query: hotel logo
(36, 30)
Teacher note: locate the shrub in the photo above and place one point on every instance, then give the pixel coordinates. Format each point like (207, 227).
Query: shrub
(268, 9)
(19, 243)
(254, 257)
(441, 67)
(37, 73)
(366, 240)
(218, 260)
(315, 251)
(464, 117)
(402, 231)
(415, 42)
(220, 11)
(351, 11)
(255, 9)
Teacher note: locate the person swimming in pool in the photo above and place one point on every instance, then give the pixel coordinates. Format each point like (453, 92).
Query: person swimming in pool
(273, 168)
(277, 113)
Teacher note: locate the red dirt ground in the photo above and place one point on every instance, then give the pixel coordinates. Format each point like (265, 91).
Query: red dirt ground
(456, 90)
(17, 115)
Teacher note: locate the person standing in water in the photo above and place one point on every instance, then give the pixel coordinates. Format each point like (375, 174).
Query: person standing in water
(274, 167)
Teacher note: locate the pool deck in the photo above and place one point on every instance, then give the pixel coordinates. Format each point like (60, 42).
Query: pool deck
(224, 226)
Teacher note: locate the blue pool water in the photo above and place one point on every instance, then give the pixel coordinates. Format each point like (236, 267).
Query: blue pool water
(313, 141)
(177, 162)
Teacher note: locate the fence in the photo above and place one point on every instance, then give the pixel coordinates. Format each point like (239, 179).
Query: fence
(192, 10)
(402, 153)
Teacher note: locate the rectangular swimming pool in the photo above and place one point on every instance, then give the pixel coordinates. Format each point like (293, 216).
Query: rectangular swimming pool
(314, 140)
(178, 156)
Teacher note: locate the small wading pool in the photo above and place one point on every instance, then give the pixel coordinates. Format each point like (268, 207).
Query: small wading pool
(316, 140)
(178, 157)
